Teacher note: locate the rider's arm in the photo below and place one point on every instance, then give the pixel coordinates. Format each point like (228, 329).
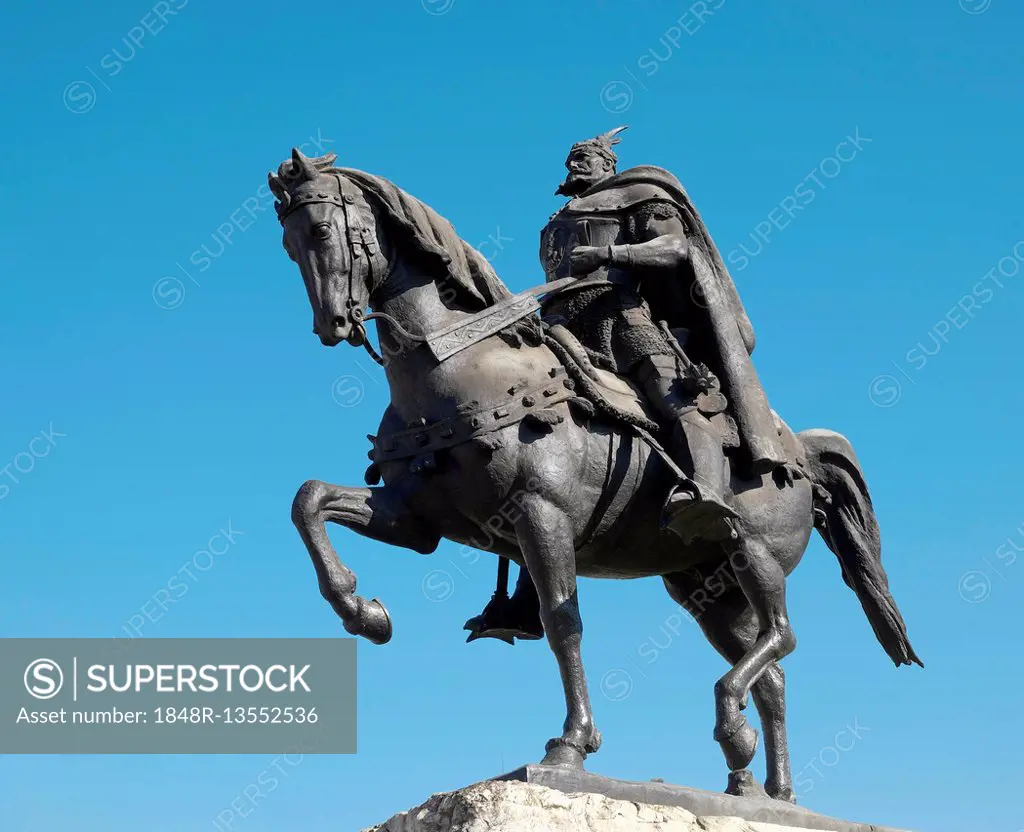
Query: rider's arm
(662, 241)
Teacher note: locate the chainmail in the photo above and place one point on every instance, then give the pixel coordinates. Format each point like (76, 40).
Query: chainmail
(598, 317)
(655, 209)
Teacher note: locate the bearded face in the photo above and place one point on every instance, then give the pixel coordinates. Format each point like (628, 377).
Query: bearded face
(586, 168)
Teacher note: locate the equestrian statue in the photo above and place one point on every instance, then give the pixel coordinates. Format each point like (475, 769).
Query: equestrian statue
(608, 423)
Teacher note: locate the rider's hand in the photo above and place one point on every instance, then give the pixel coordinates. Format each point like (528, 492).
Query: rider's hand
(584, 259)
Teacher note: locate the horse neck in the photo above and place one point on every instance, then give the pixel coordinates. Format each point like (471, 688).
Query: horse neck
(414, 300)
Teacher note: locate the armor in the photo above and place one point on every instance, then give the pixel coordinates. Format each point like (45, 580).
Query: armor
(604, 308)
(568, 229)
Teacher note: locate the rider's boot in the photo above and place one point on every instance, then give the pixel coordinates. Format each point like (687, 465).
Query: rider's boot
(505, 618)
(698, 509)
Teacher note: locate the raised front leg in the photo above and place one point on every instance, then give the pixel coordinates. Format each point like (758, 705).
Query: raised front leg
(546, 540)
(378, 513)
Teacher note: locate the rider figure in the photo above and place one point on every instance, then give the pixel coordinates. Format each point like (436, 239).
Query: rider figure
(642, 255)
(622, 235)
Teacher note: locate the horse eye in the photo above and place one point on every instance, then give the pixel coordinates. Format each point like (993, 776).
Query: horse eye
(322, 230)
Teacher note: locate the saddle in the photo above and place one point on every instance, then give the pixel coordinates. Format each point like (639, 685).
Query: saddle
(615, 395)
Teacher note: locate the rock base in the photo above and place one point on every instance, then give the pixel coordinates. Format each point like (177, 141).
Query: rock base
(517, 806)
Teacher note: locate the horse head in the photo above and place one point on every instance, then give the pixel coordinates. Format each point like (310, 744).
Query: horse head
(331, 232)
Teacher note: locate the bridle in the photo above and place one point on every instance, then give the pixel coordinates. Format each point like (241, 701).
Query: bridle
(367, 265)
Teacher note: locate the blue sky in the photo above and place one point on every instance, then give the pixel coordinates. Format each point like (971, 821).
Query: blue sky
(887, 307)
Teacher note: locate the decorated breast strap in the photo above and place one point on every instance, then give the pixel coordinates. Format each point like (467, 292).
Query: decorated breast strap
(444, 343)
(473, 420)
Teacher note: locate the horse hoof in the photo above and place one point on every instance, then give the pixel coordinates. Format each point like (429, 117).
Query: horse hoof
(738, 742)
(786, 795)
(743, 784)
(594, 745)
(563, 753)
(371, 621)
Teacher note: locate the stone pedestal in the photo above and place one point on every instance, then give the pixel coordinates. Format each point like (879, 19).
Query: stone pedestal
(543, 799)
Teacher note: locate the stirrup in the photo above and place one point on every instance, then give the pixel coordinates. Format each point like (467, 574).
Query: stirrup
(504, 620)
(699, 518)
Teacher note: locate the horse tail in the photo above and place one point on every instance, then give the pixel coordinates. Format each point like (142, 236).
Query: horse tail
(845, 518)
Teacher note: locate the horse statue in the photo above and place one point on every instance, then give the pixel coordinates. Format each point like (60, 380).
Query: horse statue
(492, 429)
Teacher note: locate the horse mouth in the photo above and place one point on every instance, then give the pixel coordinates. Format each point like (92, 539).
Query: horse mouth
(337, 332)
(343, 331)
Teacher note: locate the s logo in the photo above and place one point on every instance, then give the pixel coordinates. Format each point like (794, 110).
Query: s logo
(44, 678)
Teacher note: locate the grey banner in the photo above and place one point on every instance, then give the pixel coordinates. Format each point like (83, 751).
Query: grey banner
(177, 696)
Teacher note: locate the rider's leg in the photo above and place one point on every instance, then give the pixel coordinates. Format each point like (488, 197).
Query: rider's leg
(694, 433)
(695, 446)
(524, 599)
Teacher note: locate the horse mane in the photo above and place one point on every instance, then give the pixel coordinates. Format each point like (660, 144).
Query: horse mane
(463, 275)
(461, 272)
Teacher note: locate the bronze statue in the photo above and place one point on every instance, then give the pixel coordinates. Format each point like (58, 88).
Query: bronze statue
(505, 423)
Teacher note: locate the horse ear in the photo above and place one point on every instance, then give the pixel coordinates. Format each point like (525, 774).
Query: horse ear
(303, 165)
(277, 187)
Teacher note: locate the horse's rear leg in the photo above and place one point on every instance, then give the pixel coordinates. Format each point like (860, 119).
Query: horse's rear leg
(546, 540)
(763, 582)
(378, 513)
(731, 627)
